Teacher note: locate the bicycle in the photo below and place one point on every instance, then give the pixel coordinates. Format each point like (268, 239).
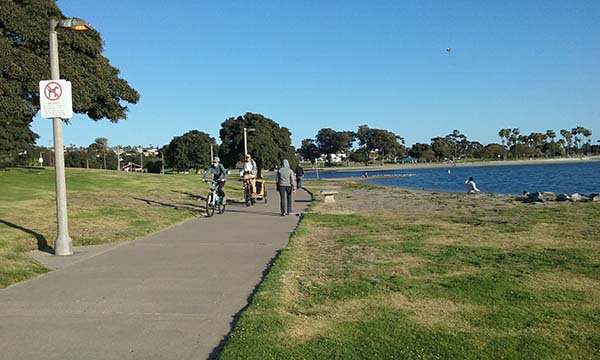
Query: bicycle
(248, 199)
(213, 200)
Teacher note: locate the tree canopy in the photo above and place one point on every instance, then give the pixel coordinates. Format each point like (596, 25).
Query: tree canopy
(268, 143)
(189, 151)
(331, 142)
(309, 150)
(382, 141)
(98, 91)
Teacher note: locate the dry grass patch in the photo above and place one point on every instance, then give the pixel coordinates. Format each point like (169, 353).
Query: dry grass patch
(399, 273)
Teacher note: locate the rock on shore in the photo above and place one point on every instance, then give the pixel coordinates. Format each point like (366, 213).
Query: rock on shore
(550, 196)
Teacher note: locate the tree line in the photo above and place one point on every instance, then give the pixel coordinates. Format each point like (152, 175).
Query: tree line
(368, 145)
(267, 141)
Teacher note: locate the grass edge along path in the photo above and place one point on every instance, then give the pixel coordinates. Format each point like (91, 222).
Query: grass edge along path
(384, 286)
(104, 207)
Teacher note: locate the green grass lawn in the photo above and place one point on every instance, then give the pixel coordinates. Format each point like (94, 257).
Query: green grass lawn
(399, 274)
(104, 206)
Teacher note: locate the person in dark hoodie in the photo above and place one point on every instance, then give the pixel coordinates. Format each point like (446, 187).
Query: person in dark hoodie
(285, 186)
(299, 175)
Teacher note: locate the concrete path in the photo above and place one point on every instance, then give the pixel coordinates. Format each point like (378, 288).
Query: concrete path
(172, 295)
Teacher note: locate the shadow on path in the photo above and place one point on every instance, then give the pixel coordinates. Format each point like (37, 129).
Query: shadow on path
(198, 197)
(264, 213)
(188, 207)
(236, 317)
(191, 195)
(42, 243)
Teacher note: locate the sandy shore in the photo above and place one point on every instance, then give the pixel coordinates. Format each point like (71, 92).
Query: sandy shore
(465, 164)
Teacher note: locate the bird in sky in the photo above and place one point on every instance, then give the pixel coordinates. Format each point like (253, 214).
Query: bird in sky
(449, 50)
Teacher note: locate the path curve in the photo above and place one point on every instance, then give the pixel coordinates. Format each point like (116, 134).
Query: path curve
(171, 295)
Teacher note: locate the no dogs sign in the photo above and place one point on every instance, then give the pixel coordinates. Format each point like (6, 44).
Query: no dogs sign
(55, 99)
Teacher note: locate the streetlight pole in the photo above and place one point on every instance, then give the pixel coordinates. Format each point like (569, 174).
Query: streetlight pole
(119, 152)
(246, 140)
(142, 158)
(63, 244)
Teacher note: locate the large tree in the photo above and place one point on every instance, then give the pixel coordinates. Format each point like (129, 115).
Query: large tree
(418, 149)
(309, 150)
(268, 142)
(98, 91)
(332, 142)
(459, 143)
(382, 141)
(189, 151)
(442, 148)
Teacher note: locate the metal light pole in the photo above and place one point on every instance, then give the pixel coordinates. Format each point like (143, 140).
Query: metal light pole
(142, 158)
(246, 140)
(63, 244)
(119, 152)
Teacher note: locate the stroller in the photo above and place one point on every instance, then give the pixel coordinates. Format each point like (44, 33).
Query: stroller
(261, 190)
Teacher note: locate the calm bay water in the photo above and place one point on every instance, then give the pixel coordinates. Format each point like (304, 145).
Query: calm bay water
(580, 177)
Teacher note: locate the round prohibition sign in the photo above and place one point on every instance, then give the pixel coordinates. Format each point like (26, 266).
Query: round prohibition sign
(53, 91)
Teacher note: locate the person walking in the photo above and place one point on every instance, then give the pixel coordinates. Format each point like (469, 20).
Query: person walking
(285, 187)
(299, 175)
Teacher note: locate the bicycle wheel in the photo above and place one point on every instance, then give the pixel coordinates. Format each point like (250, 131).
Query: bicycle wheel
(221, 208)
(248, 195)
(210, 205)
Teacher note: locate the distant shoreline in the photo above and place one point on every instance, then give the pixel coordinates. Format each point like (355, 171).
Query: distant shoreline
(451, 165)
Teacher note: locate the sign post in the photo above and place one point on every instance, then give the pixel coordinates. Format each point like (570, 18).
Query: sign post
(55, 103)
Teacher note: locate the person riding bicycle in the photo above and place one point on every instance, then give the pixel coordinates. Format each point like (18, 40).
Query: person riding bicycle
(219, 175)
(249, 173)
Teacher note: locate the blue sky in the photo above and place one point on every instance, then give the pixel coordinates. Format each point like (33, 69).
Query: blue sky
(340, 64)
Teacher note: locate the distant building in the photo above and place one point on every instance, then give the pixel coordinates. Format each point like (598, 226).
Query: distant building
(409, 160)
(132, 167)
(151, 152)
(335, 158)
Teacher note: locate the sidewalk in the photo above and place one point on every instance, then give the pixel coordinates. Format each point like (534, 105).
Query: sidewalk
(172, 295)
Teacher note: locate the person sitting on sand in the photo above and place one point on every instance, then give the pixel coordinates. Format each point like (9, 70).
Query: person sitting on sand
(471, 187)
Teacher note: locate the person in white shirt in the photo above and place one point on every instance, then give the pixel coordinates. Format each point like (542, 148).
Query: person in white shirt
(471, 187)
(249, 173)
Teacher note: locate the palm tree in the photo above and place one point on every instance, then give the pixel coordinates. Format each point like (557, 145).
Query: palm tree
(587, 134)
(504, 134)
(515, 140)
(568, 138)
(101, 146)
(550, 134)
(576, 131)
